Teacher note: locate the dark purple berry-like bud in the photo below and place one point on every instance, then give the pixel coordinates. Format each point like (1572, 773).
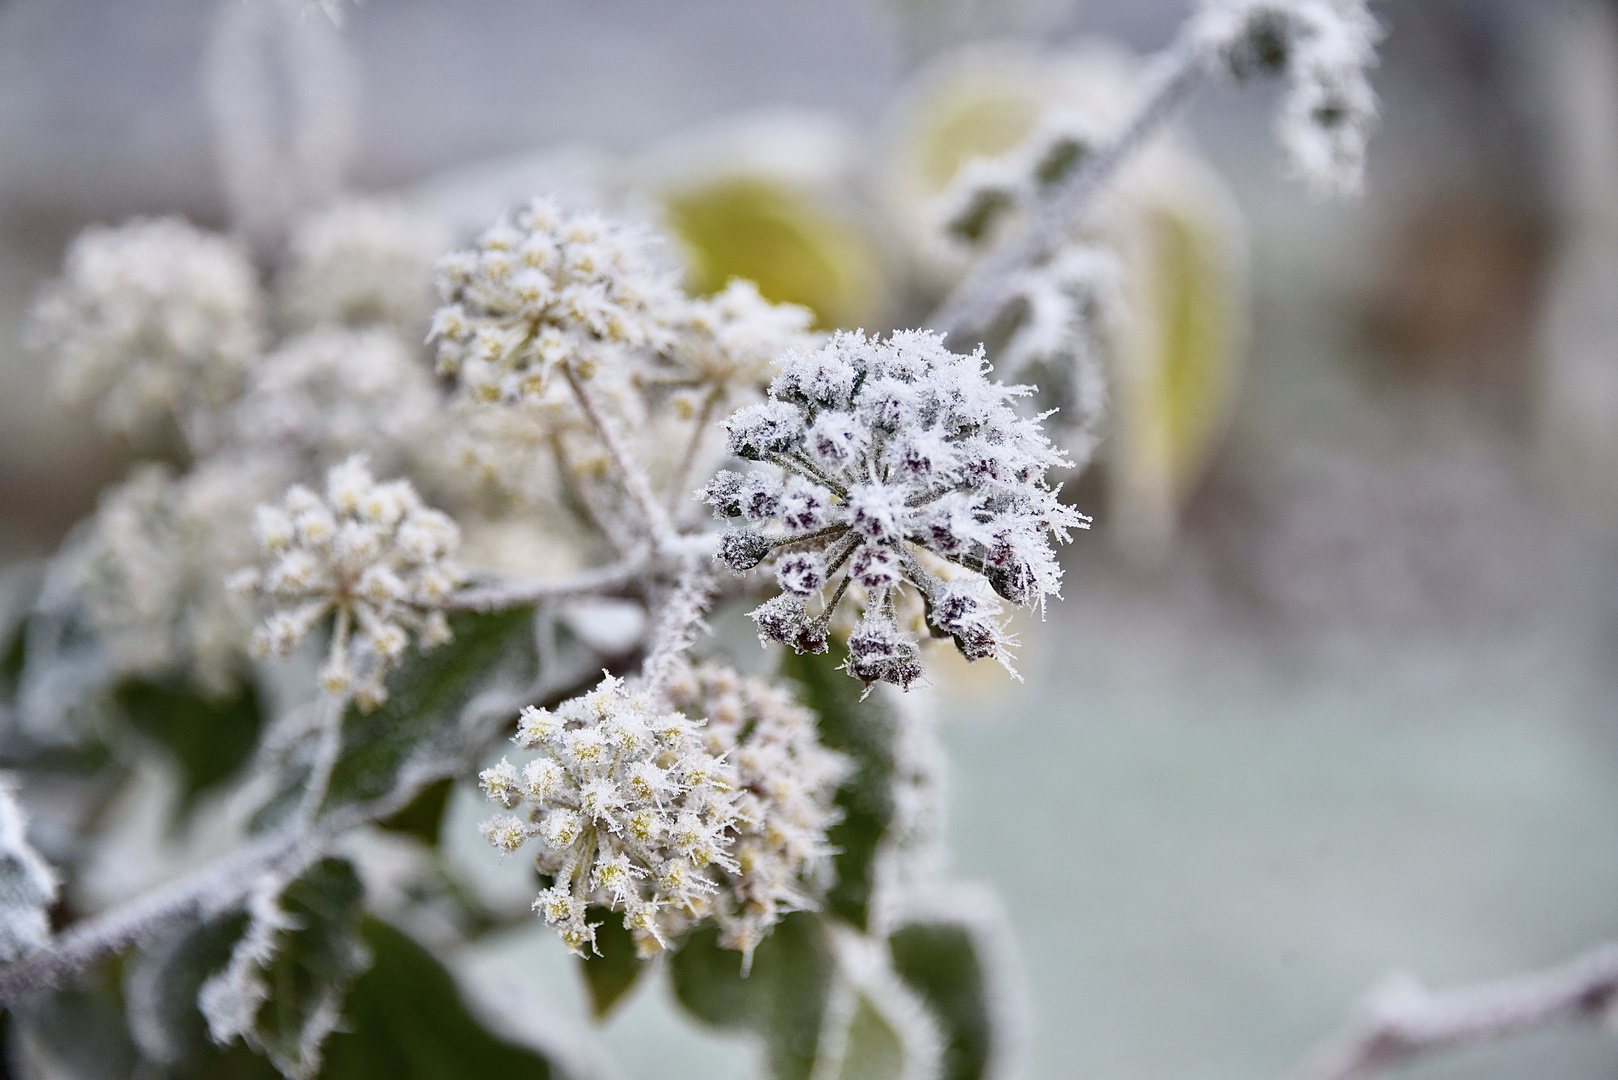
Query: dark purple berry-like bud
(874, 567)
(758, 431)
(723, 493)
(741, 550)
(802, 572)
(877, 652)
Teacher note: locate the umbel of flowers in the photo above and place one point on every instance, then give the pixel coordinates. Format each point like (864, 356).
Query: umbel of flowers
(895, 463)
(374, 554)
(633, 812)
(786, 780)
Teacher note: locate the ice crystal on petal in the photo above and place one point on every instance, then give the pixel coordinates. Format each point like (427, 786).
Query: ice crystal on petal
(892, 455)
(373, 553)
(634, 813)
(152, 320)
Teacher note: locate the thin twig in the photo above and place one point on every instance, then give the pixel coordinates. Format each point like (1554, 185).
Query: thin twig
(678, 622)
(656, 517)
(1402, 1021)
(210, 890)
(688, 460)
(604, 581)
(975, 301)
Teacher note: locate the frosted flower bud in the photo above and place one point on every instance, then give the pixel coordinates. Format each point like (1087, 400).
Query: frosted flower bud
(505, 832)
(610, 777)
(499, 783)
(357, 552)
(890, 454)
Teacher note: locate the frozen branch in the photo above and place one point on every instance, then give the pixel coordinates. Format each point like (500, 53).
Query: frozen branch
(1177, 72)
(606, 581)
(211, 890)
(664, 535)
(1402, 1021)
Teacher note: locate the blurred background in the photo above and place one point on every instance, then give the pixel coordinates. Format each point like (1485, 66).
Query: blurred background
(1350, 707)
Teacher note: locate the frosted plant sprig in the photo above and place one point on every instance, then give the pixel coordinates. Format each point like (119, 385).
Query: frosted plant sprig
(632, 812)
(374, 554)
(890, 454)
(548, 287)
(787, 780)
(1326, 49)
(153, 319)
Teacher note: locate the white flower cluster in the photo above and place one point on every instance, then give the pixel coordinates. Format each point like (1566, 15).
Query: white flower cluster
(728, 343)
(544, 288)
(370, 551)
(331, 393)
(363, 263)
(153, 320)
(633, 811)
(1326, 49)
(889, 451)
(787, 780)
(151, 567)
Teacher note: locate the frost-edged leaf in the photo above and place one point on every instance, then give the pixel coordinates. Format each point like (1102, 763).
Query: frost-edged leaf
(783, 999)
(161, 985)
(27, 885)
(874, 1049)
(866, 730)
(405, 1020)
(419, 728)
(610, 972)
(283, 989)
(877, 1028)
(940, 961)
(211, 739)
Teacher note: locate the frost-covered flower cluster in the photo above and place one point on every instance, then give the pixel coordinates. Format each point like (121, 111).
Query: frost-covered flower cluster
(374, 554)
(547, 287)
(633, 812)
(727, 346)
(154, 320)
(363, 263)
(890, 456)
(331, 393)
(787, 780)
(150, 568)
(1326, 49)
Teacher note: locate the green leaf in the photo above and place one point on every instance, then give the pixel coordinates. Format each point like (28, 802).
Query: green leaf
(76, 1033)
(783, 999)
(940, 961)
(613, 969)
(874, 1050)
(405, 1020)
(284, 986)
(210, 739)
(424, 816)
(161, 984)
(865, 731)
(419, 726)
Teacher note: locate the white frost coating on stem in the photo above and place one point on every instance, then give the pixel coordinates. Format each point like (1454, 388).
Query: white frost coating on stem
(1401, 1021)
(270, 180)
(605, 581)
(1325, 49)
(27, 883)
(677, 625)
(656, 516)
(975, 301)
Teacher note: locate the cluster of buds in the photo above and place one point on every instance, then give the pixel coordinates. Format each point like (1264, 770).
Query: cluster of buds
(371, 552)
(544, 288)
(632, 810)
(787, 780)
(152, 320)
(896, 463)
